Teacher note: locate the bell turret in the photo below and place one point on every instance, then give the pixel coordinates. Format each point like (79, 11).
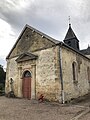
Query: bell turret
(71, 39)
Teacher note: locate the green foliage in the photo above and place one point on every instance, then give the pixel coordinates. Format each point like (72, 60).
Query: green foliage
(2, 75)
(2, 89)
(2, 80)
(1, 86)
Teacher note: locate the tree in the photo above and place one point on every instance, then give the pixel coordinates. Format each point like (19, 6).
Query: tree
(2, 75)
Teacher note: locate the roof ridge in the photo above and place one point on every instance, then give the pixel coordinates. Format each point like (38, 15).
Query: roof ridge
(43, 34)
(32, 28)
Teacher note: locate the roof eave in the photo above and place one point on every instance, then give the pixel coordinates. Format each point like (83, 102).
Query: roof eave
(33, 29)
(63, 44)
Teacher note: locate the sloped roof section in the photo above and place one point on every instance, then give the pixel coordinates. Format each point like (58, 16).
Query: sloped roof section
(26, 56)
(70, 34)
(37, 31)
(44, 35)
(79, 52)
(86, 51)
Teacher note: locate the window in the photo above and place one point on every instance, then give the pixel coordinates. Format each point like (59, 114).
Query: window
(27, 74)
(88, 74)
(74, 72)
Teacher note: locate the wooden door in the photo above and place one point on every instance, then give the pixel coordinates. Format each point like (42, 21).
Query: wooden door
(26, 86)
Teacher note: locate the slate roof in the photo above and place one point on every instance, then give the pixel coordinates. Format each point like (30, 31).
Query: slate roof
(77, 51)
(86, 51)
(70, 34)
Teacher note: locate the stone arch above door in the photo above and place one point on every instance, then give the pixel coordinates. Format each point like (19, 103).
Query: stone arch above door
(26, 73)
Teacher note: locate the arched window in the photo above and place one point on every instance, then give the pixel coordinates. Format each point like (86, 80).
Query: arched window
(27, 74)
(88, 74)
(74, 72)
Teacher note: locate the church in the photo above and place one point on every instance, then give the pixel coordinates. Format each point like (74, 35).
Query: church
(39, 64)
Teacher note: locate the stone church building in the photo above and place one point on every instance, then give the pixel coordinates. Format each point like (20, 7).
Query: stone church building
(39, 64)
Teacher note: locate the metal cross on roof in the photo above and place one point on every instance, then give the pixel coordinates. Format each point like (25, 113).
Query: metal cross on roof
(69, 20)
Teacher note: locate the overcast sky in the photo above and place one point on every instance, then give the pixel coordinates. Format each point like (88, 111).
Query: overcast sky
(48, 16)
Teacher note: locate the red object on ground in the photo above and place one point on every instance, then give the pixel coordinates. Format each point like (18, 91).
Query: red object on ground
(41, 98)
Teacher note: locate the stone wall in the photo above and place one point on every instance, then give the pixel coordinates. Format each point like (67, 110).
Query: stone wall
(88, 56)
(48, 74)
(45, 74)
(30, 41)
(81, 87)
(15, 71)
(11, 72)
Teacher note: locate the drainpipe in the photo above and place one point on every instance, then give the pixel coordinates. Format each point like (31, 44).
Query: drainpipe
(61, 77)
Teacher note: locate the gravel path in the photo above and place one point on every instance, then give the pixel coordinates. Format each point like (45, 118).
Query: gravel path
(21, 109)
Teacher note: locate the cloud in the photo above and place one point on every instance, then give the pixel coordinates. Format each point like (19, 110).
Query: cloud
(36, 12)
(49, 16)
(6, 37)
(2, 62)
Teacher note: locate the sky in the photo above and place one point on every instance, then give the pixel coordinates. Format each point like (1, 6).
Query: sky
(48, 16)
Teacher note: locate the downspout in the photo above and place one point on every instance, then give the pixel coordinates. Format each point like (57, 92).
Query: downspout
(61, 77)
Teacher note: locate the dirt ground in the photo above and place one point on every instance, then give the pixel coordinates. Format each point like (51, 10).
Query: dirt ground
(21, 109)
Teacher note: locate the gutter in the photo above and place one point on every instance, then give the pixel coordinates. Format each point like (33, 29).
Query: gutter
(61, 77)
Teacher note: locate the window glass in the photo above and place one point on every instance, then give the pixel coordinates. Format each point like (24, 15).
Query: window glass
(27, 74)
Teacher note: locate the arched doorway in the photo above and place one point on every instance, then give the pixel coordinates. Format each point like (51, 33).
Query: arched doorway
(26, 85)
